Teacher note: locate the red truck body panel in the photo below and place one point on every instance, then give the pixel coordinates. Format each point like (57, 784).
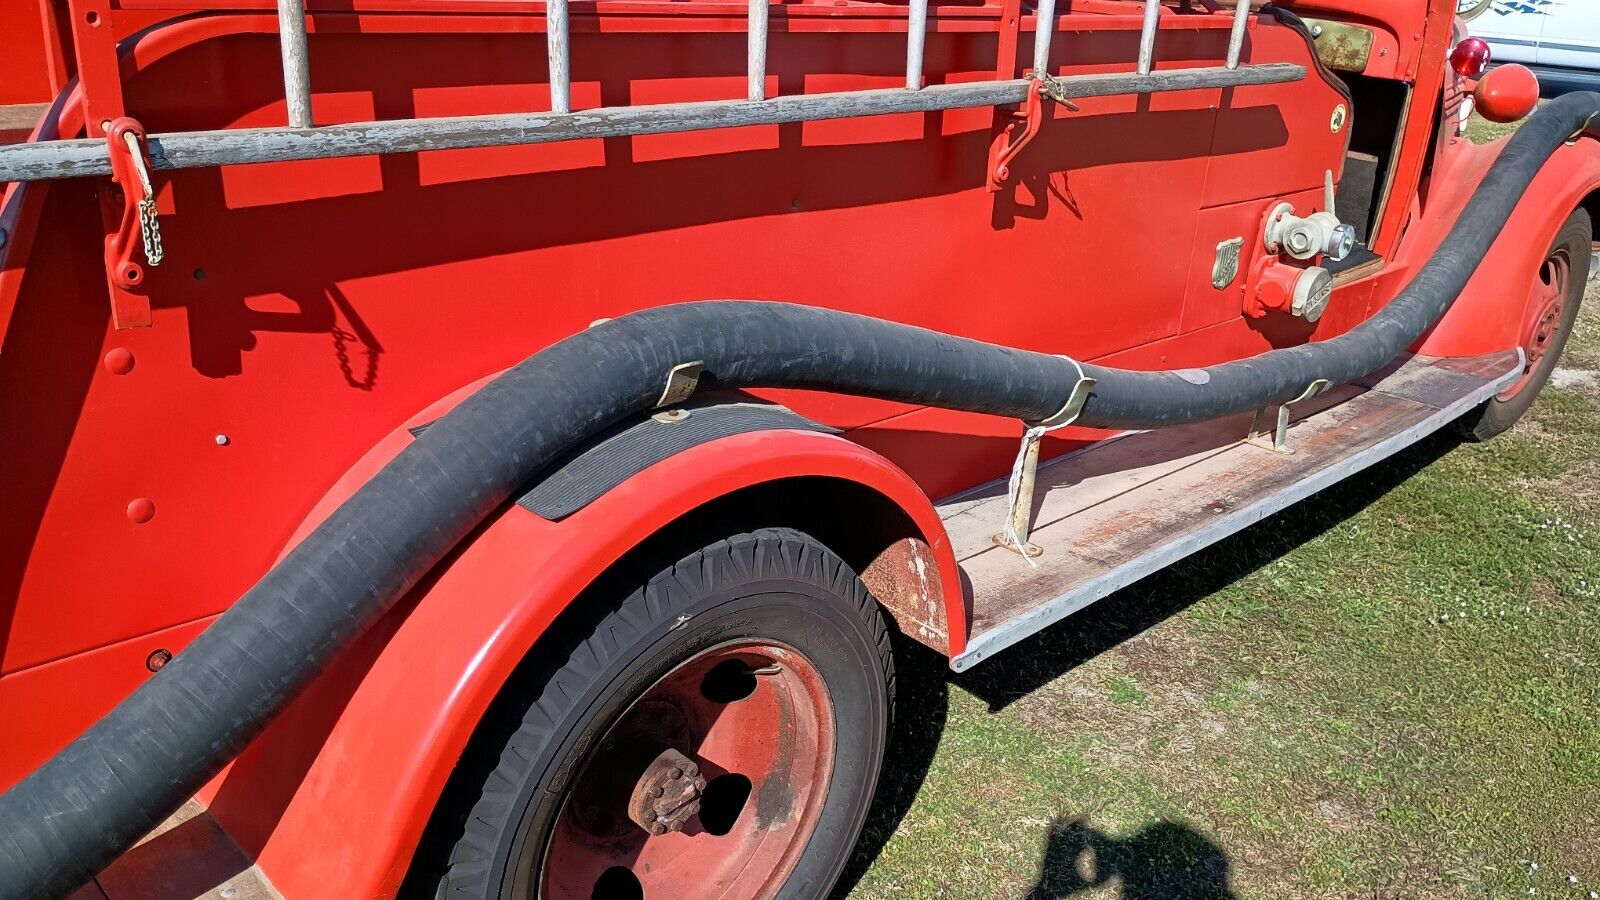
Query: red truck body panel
(308, 312)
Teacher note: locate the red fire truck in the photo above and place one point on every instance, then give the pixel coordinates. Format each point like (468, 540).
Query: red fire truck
(492, 448)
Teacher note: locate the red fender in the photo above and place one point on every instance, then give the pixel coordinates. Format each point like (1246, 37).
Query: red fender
(1493, 313)
(338, 789)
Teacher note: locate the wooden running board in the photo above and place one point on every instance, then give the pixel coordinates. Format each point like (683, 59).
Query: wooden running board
(18, 120)
(1114, 512)
(187, 857)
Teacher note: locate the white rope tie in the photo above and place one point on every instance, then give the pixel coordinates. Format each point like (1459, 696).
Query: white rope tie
(1014, 486)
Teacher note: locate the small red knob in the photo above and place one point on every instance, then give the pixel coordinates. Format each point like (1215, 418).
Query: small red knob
(1508, 94)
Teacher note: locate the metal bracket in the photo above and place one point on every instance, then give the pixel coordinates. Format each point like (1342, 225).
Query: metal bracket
(1021, 524)
(1278, 441)
(1029, 119)
(131, 219)
(1069, 411)
(682, 379)
(1022, 128)
(1015, 537)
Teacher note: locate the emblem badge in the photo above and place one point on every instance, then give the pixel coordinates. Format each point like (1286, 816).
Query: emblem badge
(1227, 265)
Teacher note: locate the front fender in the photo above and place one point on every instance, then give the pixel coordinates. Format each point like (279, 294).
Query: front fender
(1492, 313)
(338, 789)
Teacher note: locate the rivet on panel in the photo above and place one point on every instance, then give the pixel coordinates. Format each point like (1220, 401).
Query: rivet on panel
(141, 510)
(222, 440)
(119, 361)
(158, 660)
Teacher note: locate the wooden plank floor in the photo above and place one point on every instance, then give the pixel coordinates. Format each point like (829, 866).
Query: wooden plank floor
(18, 120)
(187, 857)
(1112, 513)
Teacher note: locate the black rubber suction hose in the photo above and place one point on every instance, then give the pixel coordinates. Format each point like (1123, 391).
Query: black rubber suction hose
(128, 772)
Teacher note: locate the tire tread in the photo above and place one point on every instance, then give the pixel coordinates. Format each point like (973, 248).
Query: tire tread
(752, 555)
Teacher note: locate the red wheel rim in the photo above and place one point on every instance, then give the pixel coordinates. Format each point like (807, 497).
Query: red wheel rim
(1548, 304)
(754, 725)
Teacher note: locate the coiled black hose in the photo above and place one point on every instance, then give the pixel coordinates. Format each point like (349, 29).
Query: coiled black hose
(123, 776)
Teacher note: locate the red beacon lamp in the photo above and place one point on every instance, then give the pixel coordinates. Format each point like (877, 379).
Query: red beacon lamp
(1507, 94)
(1471, 58)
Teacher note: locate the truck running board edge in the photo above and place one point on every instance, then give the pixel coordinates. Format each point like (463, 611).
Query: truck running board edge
(1124, 508)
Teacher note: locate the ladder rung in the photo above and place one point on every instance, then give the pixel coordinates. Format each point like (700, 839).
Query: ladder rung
(1241, 18)
(557, 49)
(1147, 38)
(756, 49)
(296, 67)
(916, 35)
(1044, 30)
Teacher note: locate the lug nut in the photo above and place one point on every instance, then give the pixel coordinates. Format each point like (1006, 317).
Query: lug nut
(658, 828)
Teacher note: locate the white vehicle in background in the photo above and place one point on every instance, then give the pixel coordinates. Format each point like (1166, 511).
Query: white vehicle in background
(1558, 39)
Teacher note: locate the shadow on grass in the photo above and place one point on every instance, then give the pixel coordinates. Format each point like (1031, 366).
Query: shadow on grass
(924, 679)
(1164, 861)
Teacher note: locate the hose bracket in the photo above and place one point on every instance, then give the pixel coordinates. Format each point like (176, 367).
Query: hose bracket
(1069, 411)
(1025, 471)
(682, 379)
(1278, 440)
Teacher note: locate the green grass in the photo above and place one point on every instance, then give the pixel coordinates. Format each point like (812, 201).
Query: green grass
(1390, 690)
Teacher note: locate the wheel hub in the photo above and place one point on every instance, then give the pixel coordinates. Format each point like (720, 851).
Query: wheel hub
(708, 787)
(1548, 302)
(667, 795)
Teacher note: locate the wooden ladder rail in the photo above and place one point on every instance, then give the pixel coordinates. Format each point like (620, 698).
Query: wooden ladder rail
(303, 139)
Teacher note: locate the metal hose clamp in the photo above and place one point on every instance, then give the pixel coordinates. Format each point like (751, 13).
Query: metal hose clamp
(1076, 398)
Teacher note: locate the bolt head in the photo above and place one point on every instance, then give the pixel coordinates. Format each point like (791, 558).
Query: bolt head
(141, 510)
(1343, 243)
(656, 791)
(119, 361)
(658, 828)
(222, 440)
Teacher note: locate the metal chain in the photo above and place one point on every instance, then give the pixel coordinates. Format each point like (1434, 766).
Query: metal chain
(149, 228)
(150, 232)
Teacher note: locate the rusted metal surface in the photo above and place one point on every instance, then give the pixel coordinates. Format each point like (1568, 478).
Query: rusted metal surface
(1341, 46)
(668, 793)
(905, 580)
(709, 786)
(1551, 291)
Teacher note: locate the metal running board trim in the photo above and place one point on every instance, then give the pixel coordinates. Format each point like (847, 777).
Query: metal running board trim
(78, 158)
(1430, 408)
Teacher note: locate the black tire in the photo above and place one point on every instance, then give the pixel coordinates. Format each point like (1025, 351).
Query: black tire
(491, 829)
(1576, 242)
